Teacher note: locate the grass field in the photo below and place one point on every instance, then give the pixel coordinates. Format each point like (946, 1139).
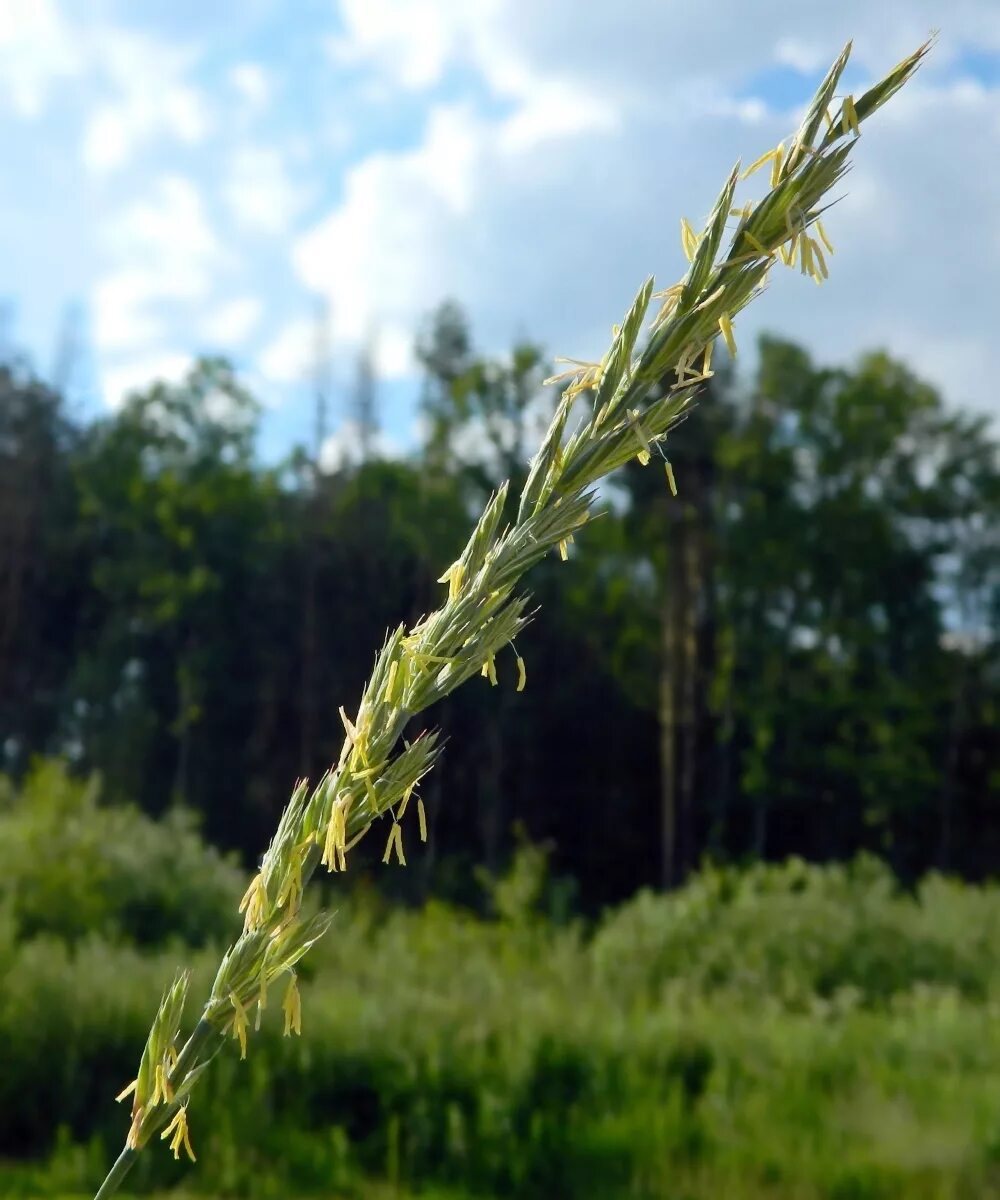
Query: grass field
(789, 1033)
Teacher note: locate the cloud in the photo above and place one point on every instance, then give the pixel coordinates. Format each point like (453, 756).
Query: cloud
(413, 41)
(136, 374)
(800, 55)
(391, 348)
(546, 212)
(556, 110)
(137, 85)
(148, 97)
(252, 83)
(384, 263)
(639, 48)
(258, 191)
(119, 307)
(344, 446)
(168, 233)
(36, 50)
(918, 243)
(169, 229)
(290, 357)
(233, 322)
(374, 256)
(530, 161)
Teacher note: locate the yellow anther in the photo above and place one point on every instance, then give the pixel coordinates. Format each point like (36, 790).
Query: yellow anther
(453, 577)
(240, 1023)
(254, 903)
(177, 1131)
(291, 1006)
(823, 238)
(759, 162)
(349, 725)
(849, 118)
(779, 155)
(395, 842)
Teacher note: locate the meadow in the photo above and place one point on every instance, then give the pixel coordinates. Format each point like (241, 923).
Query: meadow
(780, 1031)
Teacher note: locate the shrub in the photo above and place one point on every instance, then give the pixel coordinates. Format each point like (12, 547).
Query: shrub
(803, 935)
(516, 1057)
(71, 867)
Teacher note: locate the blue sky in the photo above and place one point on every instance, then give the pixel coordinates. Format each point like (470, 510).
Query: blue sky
(197, 177)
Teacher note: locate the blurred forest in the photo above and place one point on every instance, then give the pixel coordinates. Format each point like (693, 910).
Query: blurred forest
(799, 654)
(717, 946)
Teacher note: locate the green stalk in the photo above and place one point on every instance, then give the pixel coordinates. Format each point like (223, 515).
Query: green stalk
(630, 415)
(113, 1180)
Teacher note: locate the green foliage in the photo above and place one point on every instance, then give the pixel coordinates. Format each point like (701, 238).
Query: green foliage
(74, 869)
(186, 622)
(788, 1031)
(804, 936)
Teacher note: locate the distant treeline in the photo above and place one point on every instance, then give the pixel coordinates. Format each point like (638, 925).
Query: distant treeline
(798, 654)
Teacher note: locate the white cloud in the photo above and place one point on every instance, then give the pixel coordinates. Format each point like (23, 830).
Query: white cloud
(369, 255)
(344, 446)
(258, 190)
(556, 110)
(384, 263)
(252, 83)
(918, 244)
(542, 208)
(547, 218)
(640, 48)
(233, 322)
(120, 316)
(170, 229)
(291, 355)
(36, 50)
(170, 236)
(148, 97)
(414, 40)
(139, 373)
(392, 352)
(799, 55)
(138, 84)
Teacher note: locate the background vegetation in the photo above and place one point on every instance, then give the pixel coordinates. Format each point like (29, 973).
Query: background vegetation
(795, 661)
(788, 1031)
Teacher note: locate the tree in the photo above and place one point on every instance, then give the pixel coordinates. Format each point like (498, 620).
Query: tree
(842, 488)
(181, 536)
(482, 414)
(42, 577)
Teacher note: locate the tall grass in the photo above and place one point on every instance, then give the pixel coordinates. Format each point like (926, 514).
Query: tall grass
(723, 1040)
(628, 415)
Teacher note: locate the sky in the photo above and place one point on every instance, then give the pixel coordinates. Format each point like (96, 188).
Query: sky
(183, 178)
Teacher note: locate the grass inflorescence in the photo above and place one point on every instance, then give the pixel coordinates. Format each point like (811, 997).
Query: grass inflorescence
(629, 415)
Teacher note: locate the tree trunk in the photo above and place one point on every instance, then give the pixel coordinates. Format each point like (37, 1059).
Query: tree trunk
(689, 688)
(491, 793)
(669, 609)
(949, 782)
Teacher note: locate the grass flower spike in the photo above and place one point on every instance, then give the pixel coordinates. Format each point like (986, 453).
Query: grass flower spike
(634, 397)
